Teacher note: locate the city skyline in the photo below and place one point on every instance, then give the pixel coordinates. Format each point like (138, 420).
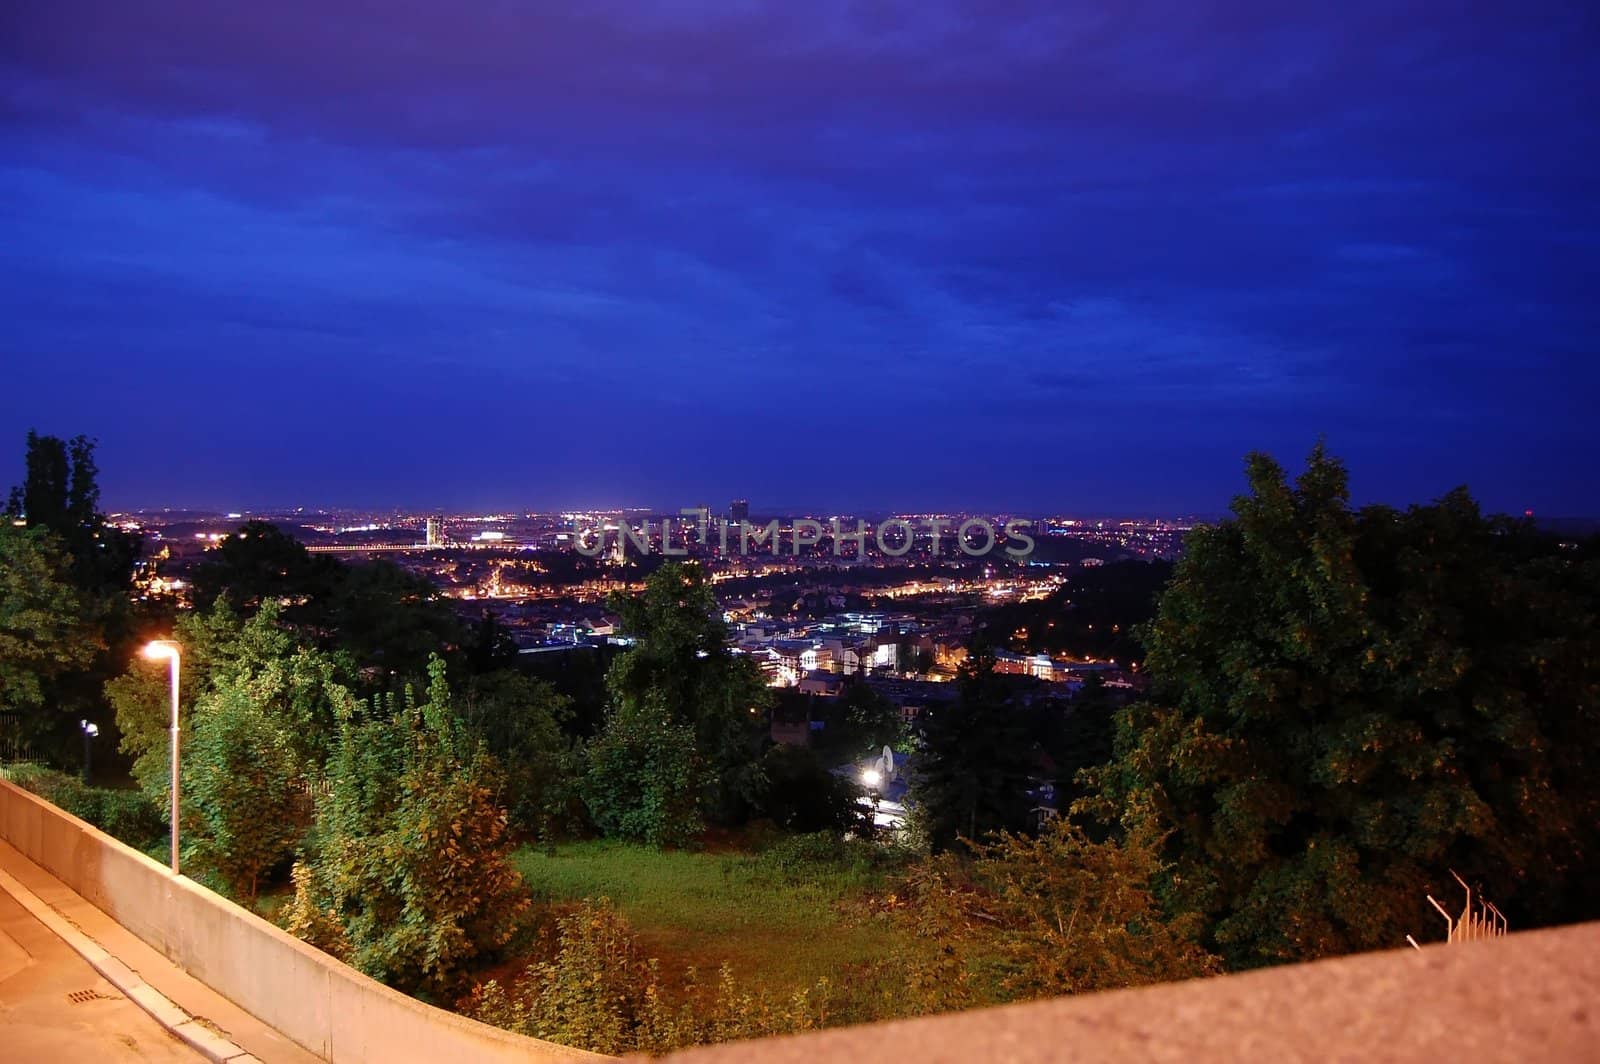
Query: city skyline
(907, 256)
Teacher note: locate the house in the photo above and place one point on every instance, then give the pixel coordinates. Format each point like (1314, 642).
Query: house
(826, 684)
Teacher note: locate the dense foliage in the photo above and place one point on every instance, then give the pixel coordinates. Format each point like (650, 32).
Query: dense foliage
(1026, 916)
(1349, 704)
(598, 991)
(410, 854)
(243, 784)
(683, 733)
(975, 756)
(67, 621)
(385, 620)
(519, 720)
(44, 633)
(412, 848)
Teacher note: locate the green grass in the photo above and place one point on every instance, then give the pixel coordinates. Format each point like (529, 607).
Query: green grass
(783, 918)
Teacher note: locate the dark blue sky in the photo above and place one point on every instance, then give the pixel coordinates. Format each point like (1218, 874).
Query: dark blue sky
(995, 254)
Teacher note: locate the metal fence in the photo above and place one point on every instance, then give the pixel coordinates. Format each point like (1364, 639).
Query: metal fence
(13, 747)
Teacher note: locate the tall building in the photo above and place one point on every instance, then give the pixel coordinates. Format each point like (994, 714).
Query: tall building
(435, 536)
(739, 510)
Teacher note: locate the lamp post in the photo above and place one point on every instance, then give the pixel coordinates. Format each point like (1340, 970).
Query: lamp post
(89, 733)
(156, 651)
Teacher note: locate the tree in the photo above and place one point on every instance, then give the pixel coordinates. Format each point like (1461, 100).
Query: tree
(645, 777)
(974, 756)
(44, 633)
(411, 855)
(240, 785)
(299, 688)
(803, 796)
(60, 497)
(518, 720)
(260, 563)
(1083, 739)
(42, 627)
(870, 721)
(1347, 705)
(60, 493)
(386, 620)
(679, 672)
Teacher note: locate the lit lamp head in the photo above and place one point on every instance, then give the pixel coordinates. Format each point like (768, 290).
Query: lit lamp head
(160, 650)
(872, 777)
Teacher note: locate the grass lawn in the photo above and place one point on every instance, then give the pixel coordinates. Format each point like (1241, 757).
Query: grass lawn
(782, 925)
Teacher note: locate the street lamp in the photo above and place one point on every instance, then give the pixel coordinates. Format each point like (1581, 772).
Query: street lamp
(89, 733)
(158, 650)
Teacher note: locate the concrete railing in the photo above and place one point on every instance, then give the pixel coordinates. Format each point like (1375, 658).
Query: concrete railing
(319, 1003)
(1530, 996)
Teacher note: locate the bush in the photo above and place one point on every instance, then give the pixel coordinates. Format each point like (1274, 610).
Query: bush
(643, 780)
(410, 852)
(598, 992)
(132, 817)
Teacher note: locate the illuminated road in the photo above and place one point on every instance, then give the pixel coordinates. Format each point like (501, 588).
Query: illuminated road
(54, 1007)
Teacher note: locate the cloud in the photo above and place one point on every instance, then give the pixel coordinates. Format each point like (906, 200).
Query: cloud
(1165, 210)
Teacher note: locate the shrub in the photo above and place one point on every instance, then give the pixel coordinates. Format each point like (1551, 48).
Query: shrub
(597, 991)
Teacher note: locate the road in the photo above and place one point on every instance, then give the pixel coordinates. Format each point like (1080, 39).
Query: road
(40, 1020)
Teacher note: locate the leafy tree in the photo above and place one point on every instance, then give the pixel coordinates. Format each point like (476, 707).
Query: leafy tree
(518, 720)
(386, 620)
(870, 721)
(680, 673)
(60, 497)
(1349, 704)
(240, 778)
(60, 493)
(644, 778)
(261, 563)
(412, 850)
(298, 688)
(43, 630)
(974, 756)
(1083, 739)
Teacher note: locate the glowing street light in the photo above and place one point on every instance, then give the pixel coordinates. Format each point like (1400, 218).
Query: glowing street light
(158, 650)
(90, 731)
(872, 777)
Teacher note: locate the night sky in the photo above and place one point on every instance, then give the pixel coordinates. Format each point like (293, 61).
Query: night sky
(936, 254)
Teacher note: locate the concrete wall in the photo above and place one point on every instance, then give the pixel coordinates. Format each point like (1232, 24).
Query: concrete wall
(325, 1006)
(1532, 996)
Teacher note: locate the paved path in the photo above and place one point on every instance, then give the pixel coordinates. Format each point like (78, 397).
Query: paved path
(40, 975)
(206, 1021)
